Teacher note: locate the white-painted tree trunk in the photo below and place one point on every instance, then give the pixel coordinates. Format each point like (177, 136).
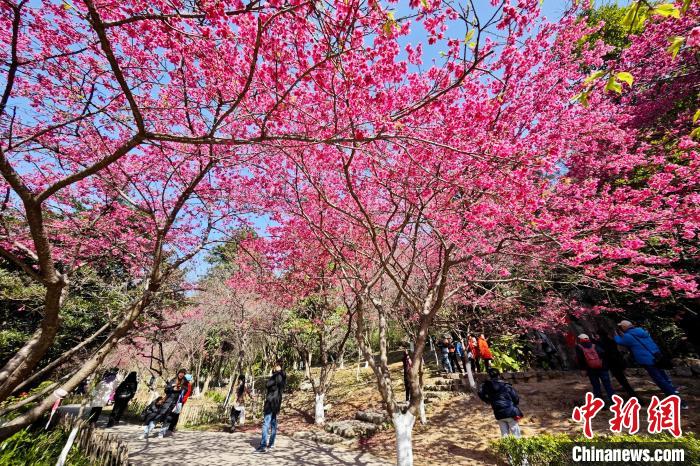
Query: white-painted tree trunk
(319, 411)
(403, 424)
(470, 377)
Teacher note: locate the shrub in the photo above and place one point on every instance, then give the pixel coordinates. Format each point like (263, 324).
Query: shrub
(215, 396)
(294, 379)
(555, 450)
(38, 448)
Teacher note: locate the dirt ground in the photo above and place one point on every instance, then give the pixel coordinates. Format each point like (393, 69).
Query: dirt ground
(460, 427)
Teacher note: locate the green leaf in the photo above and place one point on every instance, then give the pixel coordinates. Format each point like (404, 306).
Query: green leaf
(424, 3)
(583, 98)
(676, 43)
(635, 17)
(469, 36)
(696, 117)
(593, 76)
(695, 134)
(625, 77)
(613, 85)
(390, 23)
(666, 10)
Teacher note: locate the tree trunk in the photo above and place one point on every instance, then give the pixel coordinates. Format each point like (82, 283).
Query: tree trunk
(307, 366)
(470, 377)
(21, 365)
(403, 424)
(207, 381)
(319, 411)
(9, 428)
(38, 376)
(197, 379)
(421, 408)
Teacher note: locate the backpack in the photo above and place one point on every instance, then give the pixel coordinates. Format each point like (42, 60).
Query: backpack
(592, 357)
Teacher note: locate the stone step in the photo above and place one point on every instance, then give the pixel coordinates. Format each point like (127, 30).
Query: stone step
(372, 417)
(431, 395)
(327, 438)
(352, 428)
(437, 388)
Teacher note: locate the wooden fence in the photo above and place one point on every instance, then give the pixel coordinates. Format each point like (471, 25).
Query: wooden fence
(101, 448)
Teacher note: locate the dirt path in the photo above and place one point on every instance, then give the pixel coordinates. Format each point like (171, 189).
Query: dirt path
(219, 448)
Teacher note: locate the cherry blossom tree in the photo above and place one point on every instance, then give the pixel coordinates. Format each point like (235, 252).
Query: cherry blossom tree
(96, 95)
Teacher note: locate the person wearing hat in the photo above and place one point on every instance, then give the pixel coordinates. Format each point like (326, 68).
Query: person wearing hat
(591, 359)
(504, 401)
(184, 396)
(647, 354)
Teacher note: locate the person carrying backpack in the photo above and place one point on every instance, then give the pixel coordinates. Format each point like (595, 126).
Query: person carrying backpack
(591, 359)
(504, 401)
(647, 354)
(124, 393)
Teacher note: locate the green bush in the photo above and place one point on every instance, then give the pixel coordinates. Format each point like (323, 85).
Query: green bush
(294, 379)
(215, 396)
(555, 450)
(508, 353)
(38, 448)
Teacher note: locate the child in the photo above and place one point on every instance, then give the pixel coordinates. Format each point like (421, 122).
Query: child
(151, 415)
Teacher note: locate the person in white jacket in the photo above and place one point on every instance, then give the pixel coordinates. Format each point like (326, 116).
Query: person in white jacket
(102, 394)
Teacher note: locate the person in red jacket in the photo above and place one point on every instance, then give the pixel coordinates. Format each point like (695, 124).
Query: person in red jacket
(473, 353)
(484, 351)
(184, 396)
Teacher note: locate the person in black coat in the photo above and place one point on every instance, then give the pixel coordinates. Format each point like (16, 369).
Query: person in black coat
(273, 403)
(150, 415)
(504, 401)
(122, 395)
(614, 359)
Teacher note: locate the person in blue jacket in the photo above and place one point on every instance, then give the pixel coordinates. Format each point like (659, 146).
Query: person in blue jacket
(645, 352)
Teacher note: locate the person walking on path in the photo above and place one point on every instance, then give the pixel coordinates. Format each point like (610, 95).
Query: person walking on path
(461, 359)
(184, 396)
(101, 394)
(504, 401)
(273, 403)
(647, 354)
(124, 393)
(238, 408)
(591, 359)
(445, 353)
(484, 351)
(407, 364)
(452, 351)
(614, 360)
